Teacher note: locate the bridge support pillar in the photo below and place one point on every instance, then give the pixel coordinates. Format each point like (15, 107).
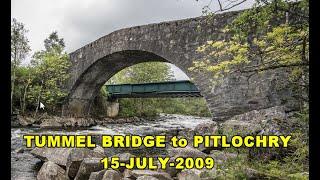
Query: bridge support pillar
(99, 107)
(112, 108)
(76, 108)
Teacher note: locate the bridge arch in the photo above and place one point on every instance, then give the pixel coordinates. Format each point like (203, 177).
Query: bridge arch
(175, 42)
(89, 83)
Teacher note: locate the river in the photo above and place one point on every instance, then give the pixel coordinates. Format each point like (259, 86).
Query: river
(24, 166)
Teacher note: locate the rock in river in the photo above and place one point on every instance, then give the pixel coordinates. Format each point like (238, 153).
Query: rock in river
(158, 175)
(75, 158)
(87, 166)
(52, 171)
(56, 155)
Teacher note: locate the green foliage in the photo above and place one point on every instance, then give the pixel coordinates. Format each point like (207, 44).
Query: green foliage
(51, 72)
(53, 43)
(294, 165)
(19, 50)
(43, 80)
(143, 73)
(268, 36)
(154, 72)
(19, 43)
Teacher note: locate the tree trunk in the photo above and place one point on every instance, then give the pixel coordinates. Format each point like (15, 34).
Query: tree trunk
(12, 87)
(38, 101)
(24, 99)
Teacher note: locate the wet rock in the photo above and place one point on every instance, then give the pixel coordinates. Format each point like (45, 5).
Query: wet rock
(235, 127)
(87, 166)
(97, 175)
(188, 175)
(50, 170)
(169, 169)
(127, 173)
(26, 121)
(111, 175)
(254, 121)
(24, 166)
(50, 124)
(55, 122)
(159, 175)
(206, 128)
(185, 152)
(275, 121)
(124, 157)
(187, 133)
(75, 158)
(56, 155)
(147, 178)
(98, 149)
(19, 150)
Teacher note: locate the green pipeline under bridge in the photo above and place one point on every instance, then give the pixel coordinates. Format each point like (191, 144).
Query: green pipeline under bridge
(173, 89)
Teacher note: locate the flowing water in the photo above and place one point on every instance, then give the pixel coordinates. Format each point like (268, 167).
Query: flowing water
(25, 166)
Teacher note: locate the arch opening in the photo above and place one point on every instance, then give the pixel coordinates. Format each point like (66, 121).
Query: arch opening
(83, 93)
(155, 89)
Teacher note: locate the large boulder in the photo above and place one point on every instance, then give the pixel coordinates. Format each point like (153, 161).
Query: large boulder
(208, 128)
(56, 122)
(188, 175)
(185, 152)
(169, 169)
(52, 171)
(25, 121)
(156, 174)
(75, 158)
(147, 178)
(111, 175)
(87, 166)
(124, 157)
(97, 175)
(56, 155)
(253, 122)
(98, 149)
(127, 173)
(50, 124)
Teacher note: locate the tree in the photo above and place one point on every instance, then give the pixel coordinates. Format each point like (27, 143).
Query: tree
(24, 78)
(142, 73)
(53, 43)
(273, 34)
(51, 72)
(154, 72)
(19, 50)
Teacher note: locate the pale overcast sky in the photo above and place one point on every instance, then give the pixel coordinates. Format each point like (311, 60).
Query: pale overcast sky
(80, 22)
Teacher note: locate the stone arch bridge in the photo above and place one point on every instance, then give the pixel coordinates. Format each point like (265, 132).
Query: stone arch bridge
(174, 42)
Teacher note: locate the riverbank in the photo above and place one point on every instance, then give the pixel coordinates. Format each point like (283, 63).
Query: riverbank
(235, 163)
(52, 122)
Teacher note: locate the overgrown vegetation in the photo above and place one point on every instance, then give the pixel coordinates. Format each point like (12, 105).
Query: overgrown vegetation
(273, 34)
(41, 81)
